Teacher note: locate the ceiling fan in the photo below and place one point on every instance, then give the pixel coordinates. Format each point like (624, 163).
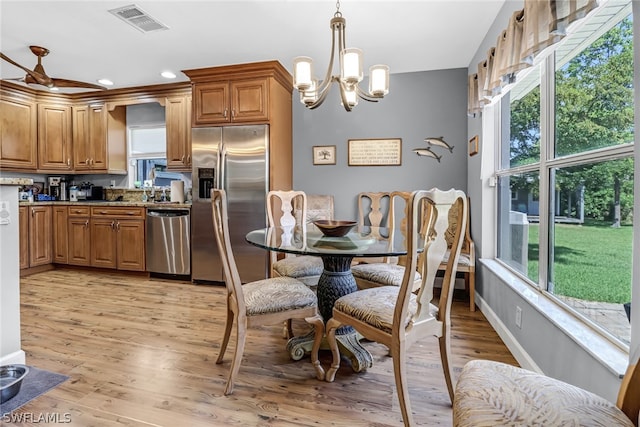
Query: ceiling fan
(38, 75)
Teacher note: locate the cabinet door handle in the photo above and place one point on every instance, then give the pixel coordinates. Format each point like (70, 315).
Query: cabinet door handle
(233, 112)
(86, 162)
(130, 213)
(225, 113)
(68, 162)
(86, 224)
(118, 226)
(188, 159)
(33, 212)
(113, 225)
(182, 158)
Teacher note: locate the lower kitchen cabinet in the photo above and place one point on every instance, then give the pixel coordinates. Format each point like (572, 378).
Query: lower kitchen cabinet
(103, 250)
(130, 244)
(23, 213)
(117, 236)
(79, 232)
(60, 235)
(35, 236)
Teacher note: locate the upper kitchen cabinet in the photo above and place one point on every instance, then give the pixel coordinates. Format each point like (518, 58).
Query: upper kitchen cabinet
(55, 148)
(231, 102)
(178, 126)
(100, 139)
(18, 130)
(245, 93)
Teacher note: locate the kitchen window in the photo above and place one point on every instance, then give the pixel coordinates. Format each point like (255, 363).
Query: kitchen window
(567, 151)
(147, 153)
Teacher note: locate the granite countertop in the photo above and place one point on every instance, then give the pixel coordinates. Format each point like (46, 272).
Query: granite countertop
(124, 204)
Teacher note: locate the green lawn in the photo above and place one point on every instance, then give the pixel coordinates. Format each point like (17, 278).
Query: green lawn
(592, 261)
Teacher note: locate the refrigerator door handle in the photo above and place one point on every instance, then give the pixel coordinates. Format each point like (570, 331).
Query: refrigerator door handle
(222, 159)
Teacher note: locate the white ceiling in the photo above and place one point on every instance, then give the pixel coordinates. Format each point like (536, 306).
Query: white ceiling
(88, 43)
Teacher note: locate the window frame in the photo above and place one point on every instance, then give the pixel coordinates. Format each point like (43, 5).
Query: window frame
(545, 168)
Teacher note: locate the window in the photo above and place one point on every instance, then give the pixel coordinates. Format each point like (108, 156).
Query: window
(147, 153)
(565, 183)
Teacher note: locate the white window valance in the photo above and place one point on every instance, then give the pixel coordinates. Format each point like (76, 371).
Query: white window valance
(542, 23)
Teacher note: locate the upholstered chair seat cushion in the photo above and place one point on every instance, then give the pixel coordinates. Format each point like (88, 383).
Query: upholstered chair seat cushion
(463, 259)
(496, 394)
(382, 273)
(375, 306)
(299, 266)
(277, 294)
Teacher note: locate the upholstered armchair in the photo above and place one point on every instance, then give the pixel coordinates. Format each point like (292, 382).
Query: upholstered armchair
(496, 394)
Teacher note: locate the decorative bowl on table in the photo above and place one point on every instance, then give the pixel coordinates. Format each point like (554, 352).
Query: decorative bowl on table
(11, 377)
(334, 228)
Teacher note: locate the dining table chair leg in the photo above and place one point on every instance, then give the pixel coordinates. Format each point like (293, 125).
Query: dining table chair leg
(331, 328)
(400, 374)
(228, 324)
(318, 324)
(241, 337)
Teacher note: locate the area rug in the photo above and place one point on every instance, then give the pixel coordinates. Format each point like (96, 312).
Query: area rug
(36, 383)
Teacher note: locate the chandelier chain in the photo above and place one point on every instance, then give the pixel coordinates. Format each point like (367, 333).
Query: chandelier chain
(338, 14)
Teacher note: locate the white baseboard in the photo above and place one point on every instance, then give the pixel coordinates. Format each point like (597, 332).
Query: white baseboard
(15, 358)
(509, 340)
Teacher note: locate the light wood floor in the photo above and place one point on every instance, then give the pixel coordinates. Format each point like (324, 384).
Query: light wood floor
(142, 352)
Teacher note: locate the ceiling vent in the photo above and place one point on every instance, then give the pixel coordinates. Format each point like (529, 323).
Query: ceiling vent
(138, 18)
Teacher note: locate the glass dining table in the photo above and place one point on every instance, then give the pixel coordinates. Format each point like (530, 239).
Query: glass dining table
(336, 280)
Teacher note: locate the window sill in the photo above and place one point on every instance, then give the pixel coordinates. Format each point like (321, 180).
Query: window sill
(610, 355)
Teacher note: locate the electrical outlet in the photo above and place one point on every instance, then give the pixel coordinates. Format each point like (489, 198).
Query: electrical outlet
(518, 317)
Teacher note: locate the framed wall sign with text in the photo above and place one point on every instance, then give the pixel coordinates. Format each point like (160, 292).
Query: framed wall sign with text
(375, 152)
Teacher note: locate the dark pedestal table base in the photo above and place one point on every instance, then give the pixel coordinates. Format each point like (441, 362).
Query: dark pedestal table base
(335, 281)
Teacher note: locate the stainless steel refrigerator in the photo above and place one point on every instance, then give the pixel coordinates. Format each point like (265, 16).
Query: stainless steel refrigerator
(234, 158)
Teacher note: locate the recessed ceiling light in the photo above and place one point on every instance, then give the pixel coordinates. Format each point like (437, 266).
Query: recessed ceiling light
(168, 75)
(105, 82)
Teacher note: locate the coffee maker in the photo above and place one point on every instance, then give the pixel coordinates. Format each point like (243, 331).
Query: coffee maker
(58, 188)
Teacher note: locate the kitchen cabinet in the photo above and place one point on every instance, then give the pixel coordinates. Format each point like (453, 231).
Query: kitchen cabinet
(18, 131)
(120, 233)
(40, 236)
(99, 139)
(253, 93)
(60, 234)
(178, 126)
(23, 219)
(55, 149)
(231, 102)
(79, 232)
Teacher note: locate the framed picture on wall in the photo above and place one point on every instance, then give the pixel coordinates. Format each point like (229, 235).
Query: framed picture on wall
(324, 154)
(473, 146)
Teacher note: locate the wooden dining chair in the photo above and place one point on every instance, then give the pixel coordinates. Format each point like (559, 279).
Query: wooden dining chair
(467, 260)
(264, 302)
(319, 206)
(373, 211)
(394, 315)
(496, 394)
(280, 212)
(389, 271)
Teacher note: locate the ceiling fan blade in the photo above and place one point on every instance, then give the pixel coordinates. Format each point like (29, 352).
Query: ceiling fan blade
(75, 83)
(42, 79)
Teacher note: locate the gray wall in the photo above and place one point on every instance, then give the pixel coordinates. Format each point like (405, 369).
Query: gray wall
(421, 104)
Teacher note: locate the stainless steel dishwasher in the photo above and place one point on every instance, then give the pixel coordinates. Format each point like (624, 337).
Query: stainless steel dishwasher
(168, 246)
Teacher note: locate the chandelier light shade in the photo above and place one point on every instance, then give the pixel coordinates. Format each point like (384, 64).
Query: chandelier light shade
(313, 91)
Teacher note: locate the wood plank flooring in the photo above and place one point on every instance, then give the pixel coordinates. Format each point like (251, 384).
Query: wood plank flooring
(142, 352)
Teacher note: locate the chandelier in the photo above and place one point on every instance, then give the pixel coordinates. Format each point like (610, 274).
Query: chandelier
(313, 92)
